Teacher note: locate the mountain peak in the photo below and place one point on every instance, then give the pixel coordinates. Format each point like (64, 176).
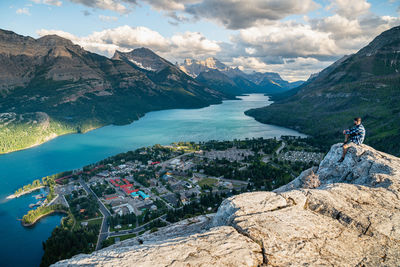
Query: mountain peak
(194, 67)
(6, 35)
(378, 58)
(143, 51)
(54, 40)
(143, 58)
(214, 63)
(232, 79)
(188, 61)
(15, 44)
(389, 39)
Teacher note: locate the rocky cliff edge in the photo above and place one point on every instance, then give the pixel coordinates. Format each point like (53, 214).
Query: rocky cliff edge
(337, 214)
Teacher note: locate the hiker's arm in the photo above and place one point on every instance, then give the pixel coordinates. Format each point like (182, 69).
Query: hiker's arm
(355, 131)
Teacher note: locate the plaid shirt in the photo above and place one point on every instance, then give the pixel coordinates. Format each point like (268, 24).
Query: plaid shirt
(357, 134)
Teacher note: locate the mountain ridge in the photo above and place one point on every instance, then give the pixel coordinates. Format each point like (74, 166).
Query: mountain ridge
(143, 58)
(213, 72)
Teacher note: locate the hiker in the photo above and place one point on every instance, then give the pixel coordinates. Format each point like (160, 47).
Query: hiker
(354, 135)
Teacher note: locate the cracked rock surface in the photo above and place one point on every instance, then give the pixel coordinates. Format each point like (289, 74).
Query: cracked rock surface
(337, 214)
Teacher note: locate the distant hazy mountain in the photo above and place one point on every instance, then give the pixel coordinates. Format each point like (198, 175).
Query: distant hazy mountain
(212, 72)
(49, 86)
(272, 78)
(217, 80)
(194, 67)
(365, 84)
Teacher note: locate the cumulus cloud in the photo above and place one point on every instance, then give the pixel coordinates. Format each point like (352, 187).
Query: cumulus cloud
(285, 39)
(123, 38)
(324, 38)
(126, 38)
(23, 11)
(350, 35)
(234, 14)
(290, 69)
(299, 49)
(193, 44)
(249, 63)
(350, 9)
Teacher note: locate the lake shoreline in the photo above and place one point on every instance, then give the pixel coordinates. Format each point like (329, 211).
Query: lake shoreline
(41, 217)
(51, 137)
(54, 135)
(225, 121)
(25, 192)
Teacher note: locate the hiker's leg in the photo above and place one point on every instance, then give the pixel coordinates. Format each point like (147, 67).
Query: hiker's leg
(346, 138)
(345, 148)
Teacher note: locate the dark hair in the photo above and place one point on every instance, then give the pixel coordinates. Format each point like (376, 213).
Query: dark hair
(357, 119)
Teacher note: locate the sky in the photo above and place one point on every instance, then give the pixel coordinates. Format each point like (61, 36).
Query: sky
(292, 37)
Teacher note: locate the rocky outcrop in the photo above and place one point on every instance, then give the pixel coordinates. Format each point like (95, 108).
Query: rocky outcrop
(186, 243)
(339, 214)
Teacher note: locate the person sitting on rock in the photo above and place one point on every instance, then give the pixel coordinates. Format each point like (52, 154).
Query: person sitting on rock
(354, 135)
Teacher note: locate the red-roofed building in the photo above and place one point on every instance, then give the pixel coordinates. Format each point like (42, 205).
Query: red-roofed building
(126, 181)
(129, 191)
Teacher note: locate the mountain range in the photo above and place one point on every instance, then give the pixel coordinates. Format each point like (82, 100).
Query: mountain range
(365, 84)
(49, 87)
(215, 74)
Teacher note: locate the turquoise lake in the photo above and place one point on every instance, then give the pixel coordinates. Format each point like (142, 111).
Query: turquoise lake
(21, 246)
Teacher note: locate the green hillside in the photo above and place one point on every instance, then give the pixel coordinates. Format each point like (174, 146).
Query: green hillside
(49, 87)
(366, 84)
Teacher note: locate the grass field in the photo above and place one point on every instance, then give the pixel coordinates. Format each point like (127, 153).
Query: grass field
(207, 181)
